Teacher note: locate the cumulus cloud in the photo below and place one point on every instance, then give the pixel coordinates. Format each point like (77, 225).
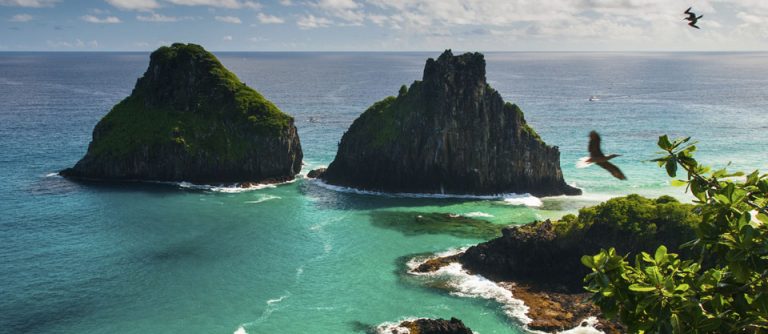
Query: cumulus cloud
(269, 19)
(141, 5)
(229, 19)
(311, 22)
(28, 3)
(21, 18)
(231, 4)
(347, 10)
(105, 20)
(155, 17)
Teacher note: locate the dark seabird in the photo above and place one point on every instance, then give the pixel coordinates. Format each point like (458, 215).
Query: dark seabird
(596, 156)
(692, 18)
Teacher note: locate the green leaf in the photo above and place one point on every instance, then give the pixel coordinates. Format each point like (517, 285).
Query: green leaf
(588, 261)
(664, 143)
(661, 254)
(672, 167)
(678, 183)
(641, 288)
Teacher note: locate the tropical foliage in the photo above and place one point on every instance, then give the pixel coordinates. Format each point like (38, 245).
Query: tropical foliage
(723, 288)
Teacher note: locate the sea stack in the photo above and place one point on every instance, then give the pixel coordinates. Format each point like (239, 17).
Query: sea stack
(450, 133)
(190, 119)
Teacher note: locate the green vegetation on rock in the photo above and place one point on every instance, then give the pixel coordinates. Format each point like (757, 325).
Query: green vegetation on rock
(190, 119)
(720, 285)
(158, 111)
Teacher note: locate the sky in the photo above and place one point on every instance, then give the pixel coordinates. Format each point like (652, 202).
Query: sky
(383, 25)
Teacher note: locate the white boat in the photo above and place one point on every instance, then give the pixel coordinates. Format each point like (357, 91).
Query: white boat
(594, 98)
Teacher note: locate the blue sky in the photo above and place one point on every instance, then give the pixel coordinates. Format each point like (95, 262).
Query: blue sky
(382, 25)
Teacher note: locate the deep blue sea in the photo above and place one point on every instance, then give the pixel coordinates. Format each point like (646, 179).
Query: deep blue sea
(302, 258)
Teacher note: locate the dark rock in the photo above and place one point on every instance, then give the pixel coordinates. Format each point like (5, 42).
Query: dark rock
(548, 254)
(449, 133)
(315, 173)
(436, 326)
(190, 119)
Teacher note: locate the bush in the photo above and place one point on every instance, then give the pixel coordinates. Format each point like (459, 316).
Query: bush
(723, 288)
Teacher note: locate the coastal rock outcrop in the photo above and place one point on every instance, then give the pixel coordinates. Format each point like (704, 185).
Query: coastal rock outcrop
(436, 326)
(540, 262)
(450, 133)
(190, 119)
(548, 254)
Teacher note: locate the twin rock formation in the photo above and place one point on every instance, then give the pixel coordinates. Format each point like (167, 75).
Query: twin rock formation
(190, 119)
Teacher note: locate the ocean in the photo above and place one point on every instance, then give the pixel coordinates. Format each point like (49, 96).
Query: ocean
(303, 257)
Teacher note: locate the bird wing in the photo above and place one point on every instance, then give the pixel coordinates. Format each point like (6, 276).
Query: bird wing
(615, 171)
(594, 145)
(688, 10)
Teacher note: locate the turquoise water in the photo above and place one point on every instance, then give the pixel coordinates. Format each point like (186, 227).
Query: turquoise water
(300, 258)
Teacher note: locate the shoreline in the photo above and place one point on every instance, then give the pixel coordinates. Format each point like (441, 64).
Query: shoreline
(546, 310)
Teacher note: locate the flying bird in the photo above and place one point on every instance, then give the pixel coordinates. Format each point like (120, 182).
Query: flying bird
(596, 156)
(692, 18)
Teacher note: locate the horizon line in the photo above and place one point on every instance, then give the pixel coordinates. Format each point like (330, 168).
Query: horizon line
(399, 51)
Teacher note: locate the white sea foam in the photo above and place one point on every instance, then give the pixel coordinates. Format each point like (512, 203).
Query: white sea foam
(52, 175)
(478, 214)
(588, 329)
(263, 199)
(526, 200)
(394, 327)
(523, 199)
(277, 300)
(272, 306)
(464, 284)
(231, 188)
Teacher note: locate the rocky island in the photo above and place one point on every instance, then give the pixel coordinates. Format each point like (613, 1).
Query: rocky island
(540, 262)
(190, 119)
(450, 133)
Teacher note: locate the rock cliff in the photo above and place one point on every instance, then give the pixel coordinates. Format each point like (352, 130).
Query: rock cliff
(449, 133)
(190, 119)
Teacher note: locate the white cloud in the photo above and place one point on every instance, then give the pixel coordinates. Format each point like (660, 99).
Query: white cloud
(269, 19)
(106, 20)
(227, 38)
(347, 10)
(21, 18)
(229, 19)
(141, 5)
(155, 17)
(311, 22)
(231, 4)
(28, 3)
(286, 2)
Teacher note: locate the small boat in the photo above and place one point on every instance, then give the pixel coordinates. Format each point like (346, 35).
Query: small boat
(594, 98)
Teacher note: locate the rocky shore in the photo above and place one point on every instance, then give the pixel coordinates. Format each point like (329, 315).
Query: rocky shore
(539, 263)
(428, 326)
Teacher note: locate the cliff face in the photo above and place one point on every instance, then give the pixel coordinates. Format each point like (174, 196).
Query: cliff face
(190, 119)
(449, 133)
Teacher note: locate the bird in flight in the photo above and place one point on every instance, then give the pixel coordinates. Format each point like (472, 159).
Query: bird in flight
(692, 18)
(596, 156)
